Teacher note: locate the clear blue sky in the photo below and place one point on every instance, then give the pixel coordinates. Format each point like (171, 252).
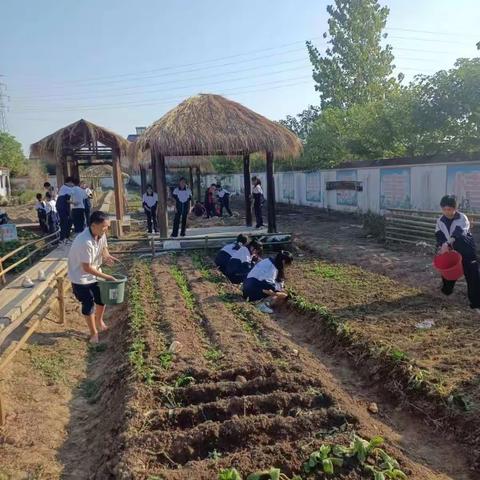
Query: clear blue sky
(123, 64)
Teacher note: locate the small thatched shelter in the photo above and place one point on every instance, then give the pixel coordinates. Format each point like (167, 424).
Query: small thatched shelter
(212, 125)
(83, 144)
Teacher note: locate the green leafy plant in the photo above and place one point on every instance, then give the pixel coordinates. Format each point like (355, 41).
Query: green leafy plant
(183, 381)
(166, 359)
(229, 474)
(214, 455)
(323, 460)
(213, 354)
(182, 283)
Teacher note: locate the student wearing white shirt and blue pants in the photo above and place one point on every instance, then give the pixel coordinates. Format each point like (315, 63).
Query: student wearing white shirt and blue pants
(78, 206)
(266, 280)
(242, 261)
(225, 254)
(63, 209)
(258, 199)
(182, 195)
(87, 253)
(150, 203)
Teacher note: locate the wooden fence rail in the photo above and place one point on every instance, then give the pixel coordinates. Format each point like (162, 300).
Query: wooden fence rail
(53, 239)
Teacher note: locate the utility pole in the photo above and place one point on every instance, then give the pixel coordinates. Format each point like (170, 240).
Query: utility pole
(3, 107)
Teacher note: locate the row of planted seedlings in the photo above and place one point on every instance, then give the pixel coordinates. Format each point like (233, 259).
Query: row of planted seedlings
(351, 453)
(379, 323)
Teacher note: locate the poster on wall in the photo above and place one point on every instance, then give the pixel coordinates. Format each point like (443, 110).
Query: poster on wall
(288, 186)
(313, 187)
(347, 197)
(395, 188)
(463, 181)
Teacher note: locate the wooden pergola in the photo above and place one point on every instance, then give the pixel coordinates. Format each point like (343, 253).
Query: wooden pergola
(212, 125)
(85, 144)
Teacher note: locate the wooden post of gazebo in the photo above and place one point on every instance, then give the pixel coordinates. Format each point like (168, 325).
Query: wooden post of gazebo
(75, 170)
(118, 186)
(272, 221)
(59, 175)
(190, 171)
(158, 166)
(247, 189)
(199, 185)
(143, 180)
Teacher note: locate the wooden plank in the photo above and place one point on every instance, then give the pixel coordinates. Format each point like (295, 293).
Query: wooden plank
(247, 186)
(272, 221)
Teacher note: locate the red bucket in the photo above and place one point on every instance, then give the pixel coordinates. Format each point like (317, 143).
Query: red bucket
(449, 265)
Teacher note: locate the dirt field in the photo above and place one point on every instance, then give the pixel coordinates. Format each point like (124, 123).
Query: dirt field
(192, 381)
(241, 392)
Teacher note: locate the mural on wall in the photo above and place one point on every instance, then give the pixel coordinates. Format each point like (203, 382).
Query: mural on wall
(347, 197)
(288, 186)
(463, 181)
(395, 188)
(313, 186)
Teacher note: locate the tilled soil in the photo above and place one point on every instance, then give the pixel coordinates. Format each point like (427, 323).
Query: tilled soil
(248, 397)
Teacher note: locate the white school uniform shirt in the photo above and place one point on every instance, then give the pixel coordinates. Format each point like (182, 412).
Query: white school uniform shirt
(183, 195)
(51, 206)
(242, 254)
(257, 189)
(150, 200)
(65, 190)
(39, 205)
(266, 271)
(222, 192)
(461, 222)
(85, 249)
(89, 192)
(78, 196)
(229, 248)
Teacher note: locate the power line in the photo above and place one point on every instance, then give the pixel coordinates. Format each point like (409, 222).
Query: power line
(3, 108)
(431, 32)
(234, 90)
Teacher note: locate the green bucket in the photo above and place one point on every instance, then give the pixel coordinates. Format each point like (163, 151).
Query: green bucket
(112, 292)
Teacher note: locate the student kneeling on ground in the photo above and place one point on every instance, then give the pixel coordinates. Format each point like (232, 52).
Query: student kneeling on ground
(453, 232)
(266, 280)
(88, 251)
(225, 254)
(242, 261)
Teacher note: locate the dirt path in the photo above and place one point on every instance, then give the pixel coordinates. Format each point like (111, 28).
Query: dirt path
(56, 391)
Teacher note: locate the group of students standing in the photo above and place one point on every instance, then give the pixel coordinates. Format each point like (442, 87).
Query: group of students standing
(71, 206)
(241, 262)
(217, 199)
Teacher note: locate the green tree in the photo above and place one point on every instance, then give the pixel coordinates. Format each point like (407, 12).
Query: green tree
(11, 155)
(302, 123)
(355, 68)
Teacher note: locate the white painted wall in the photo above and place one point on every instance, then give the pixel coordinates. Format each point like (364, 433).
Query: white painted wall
(427, 184)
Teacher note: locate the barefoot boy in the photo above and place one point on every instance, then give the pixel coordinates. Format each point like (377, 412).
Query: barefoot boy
(88, 251)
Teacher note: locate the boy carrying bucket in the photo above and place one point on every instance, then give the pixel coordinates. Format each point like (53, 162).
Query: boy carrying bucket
(453, 232)
(87, 253)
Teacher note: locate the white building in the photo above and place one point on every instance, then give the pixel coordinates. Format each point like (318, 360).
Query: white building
(4, 182)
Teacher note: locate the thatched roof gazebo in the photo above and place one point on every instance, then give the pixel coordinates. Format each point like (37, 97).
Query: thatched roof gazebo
(83, 143)
(212, 125)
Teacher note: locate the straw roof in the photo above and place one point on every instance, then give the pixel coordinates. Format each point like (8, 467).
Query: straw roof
(99, 171)
(76, 135)
(210, 125)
